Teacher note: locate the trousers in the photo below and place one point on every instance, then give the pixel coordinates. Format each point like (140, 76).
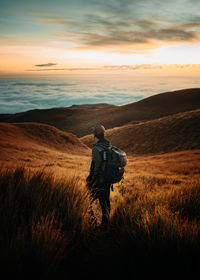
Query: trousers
(103, 195)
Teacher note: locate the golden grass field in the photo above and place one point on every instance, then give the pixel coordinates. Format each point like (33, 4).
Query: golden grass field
(154, 230)
(46, 231)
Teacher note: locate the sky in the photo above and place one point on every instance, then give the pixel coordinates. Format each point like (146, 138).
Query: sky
(51, 36)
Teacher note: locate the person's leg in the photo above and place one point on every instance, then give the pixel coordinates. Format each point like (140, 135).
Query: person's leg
(104, 200)
(91, 212)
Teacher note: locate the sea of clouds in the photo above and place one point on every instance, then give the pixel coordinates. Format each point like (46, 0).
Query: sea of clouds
(23, 94)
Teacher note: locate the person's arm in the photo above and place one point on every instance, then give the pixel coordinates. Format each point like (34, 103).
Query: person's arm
(91, 174)
(97, 161)
(94, 166)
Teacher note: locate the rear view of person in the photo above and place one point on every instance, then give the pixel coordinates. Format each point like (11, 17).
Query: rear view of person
(96, 181)
(107, 168)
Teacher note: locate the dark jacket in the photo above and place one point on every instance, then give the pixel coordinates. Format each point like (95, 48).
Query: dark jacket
(98, 164)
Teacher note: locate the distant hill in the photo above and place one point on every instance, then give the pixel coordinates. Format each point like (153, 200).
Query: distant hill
(93, 106)
(80, 119)
(37, 139)
(176, 132)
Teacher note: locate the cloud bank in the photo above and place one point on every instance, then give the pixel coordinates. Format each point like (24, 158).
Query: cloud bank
(34, 93)
(139, 67)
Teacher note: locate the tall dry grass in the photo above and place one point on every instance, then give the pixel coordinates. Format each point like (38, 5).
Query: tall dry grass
(40, 216)
(154, 228)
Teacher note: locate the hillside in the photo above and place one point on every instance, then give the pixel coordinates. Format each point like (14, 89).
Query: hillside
(33, 142)
(93, 106)
(164, 104)
(154, 222)
(80, 119)
(177, 132)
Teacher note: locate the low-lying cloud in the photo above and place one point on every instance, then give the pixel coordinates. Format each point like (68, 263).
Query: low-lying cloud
(33, 93)
(18, 96)
(119, 67)
(46, 65)
(36, 84)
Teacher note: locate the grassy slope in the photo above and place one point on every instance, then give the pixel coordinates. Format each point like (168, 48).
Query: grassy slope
(40, 145)
(45, 222)
(172, 133)
(46, 230)
(80, 120)
(154, 229)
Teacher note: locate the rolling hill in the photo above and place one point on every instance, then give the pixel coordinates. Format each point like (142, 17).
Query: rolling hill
(176, 132)
(80, 119)
(31, 142)
(45, 214)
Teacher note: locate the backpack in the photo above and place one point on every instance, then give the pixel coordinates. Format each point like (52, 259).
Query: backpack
(115, 162)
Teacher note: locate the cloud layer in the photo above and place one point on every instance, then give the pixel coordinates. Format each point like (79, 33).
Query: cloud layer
(26, 94)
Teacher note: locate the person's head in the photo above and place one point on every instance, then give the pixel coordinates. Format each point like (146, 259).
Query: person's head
(99, 131)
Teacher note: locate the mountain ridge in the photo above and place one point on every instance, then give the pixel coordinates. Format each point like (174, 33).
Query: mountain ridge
(80, 119)
(172, 133)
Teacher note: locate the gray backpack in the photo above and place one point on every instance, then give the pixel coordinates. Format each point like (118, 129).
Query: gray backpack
(115, 162)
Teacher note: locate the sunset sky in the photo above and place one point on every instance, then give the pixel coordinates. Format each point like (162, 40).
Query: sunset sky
(60, 35)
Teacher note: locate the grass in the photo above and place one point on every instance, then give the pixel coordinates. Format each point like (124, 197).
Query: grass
(40, 215)
(154, 228)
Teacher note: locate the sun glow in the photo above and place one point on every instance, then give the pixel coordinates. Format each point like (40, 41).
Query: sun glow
(23, 58)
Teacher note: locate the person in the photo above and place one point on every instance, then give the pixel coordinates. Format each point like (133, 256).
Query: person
(96, 182)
